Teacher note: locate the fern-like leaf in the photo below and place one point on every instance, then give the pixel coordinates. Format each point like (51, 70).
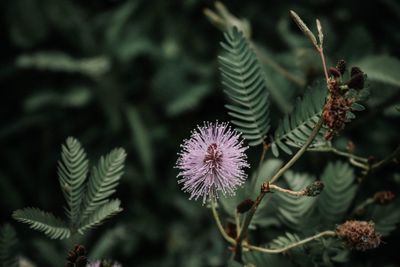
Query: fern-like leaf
(8, 243)
(386, 218)
(72, 172)
(285, 240)
(293, 210)
(296, 127)
(105, 211)
(339, 191)
(44, 222)
(244, 83)
(102, 182)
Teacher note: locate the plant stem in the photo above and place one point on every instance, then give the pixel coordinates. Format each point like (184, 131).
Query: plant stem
(219, 224)
(360, 208)
(301, 242)
(287, 191)
(300, 152)
(386, 160)
(250, 214)
(237, 222)
(264, 151)
(321, 54)
(353, 159)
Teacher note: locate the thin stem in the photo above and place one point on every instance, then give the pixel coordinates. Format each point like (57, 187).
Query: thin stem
(300, 152)
(250, 214)
(264, 151)
(287, 191)
(219, 224)
(387, 160)
(353, 159)
(360, 208)
(278, 68)
(321, 54)
(237, 222)
(348, 155)
(301, 242)
(359, 164)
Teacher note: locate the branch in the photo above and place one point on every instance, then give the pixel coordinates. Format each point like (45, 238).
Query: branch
(250, 214)
(301, 242)
(219, 224)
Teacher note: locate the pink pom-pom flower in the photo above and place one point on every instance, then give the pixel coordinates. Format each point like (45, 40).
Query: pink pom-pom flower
(212, 161)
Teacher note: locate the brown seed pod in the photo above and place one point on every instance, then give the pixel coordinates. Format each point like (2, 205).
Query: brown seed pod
(334, 72)
(356, 81)
(341, 66)
(384, 197)
(359, 235)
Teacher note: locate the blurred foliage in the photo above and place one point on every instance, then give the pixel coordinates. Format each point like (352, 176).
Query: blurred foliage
(141, 75)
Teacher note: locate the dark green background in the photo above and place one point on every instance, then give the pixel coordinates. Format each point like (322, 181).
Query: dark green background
(141, 75)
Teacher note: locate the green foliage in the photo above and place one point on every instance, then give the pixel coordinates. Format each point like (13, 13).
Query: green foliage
(294, 129)
(101, 213)
(88, 201)
(45, 222)
(383, 69)
(338, 194)
(72, 171)
(293, 210)
(285, 240)
(386, 218)
(8, 244)
(244, 84)
(103, 180)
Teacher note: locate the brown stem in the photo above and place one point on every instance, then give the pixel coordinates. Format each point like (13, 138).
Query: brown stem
(250, 214)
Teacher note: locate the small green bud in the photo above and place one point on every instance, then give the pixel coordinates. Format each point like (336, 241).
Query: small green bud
(314, 189)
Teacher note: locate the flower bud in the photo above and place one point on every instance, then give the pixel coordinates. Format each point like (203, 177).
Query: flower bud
(341, 66)
(314, 189)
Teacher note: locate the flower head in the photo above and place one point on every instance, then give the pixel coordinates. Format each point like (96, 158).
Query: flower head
(212, 161)
(359, 235)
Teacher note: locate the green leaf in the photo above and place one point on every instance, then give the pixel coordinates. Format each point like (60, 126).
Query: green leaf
(293, 210)
(61, 62)
(44, 222)
(105, 211)
(102, 182)
(385, 217)
(264, 215)
(285, 240)
(260, 259)
(72, 171)
(383, 68)
(141, 141)
(8, 243)
(339, 191)
(294, 129)
(244, 83)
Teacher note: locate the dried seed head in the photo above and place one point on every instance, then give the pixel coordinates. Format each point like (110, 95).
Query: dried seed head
(245, 205)
(77, 257)
(358, 235)
(384, 197)
(335, 110)
(356, 81)
(334, 72)
(314, 189)
(355, 71)
(341, 66)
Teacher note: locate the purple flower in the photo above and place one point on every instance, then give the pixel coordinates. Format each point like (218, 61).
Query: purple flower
(212, 161)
